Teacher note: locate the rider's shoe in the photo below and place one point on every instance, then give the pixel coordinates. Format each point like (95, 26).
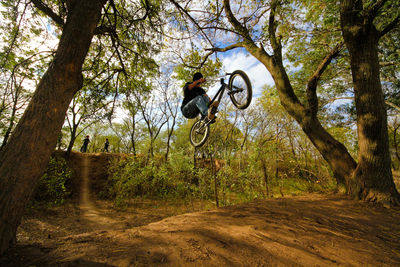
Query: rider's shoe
(213, 108)
(213, 120)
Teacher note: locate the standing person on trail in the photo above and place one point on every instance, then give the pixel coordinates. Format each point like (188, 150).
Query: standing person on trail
(196, 101)
(86, 142)
(106, 144)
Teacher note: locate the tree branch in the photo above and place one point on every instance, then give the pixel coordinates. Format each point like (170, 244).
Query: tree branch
(191, 18)
(217, 49)
(390, 26)
(275, 43)
(49, 12)
(230, 47)
(372, 10)
(114, 40)
(389, 103)
(146, 14)
(235, 23)
(389, 63)
(313, 81)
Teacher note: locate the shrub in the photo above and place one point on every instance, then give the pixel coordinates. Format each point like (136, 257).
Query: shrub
(131, 177)
(52, 187)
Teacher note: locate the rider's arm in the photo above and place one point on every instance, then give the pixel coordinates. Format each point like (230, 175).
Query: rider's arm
(196, 83)
(208, 97)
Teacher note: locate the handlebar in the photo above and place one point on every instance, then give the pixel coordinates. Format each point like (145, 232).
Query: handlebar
(219, 78)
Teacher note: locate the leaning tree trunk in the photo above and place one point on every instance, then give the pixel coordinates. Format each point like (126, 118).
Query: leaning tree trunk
(373, 178)
(334, 152)
(24, 158)
(72, 140)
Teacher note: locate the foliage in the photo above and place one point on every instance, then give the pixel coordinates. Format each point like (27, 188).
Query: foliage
(53, 186)
(132, 177)
(184, 72)
(178, 179)
(19, 63)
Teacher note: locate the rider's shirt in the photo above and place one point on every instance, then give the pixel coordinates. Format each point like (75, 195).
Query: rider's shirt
(86, 141)
(190, 94)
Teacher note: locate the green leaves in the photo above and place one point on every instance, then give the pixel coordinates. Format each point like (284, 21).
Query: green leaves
(193, 62)
(53, 186)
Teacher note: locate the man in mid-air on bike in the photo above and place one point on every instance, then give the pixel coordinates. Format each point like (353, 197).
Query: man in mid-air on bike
(196, 101)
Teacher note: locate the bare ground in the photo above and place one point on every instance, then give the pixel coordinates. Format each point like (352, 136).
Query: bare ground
(311, 230)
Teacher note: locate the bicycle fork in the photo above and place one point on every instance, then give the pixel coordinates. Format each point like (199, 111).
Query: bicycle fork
(203, 125)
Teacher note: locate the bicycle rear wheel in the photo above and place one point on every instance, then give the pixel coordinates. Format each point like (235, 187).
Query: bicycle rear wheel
(240, 90)
(199, 133)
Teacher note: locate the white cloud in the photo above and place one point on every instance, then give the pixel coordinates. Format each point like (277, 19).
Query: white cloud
(257, 72)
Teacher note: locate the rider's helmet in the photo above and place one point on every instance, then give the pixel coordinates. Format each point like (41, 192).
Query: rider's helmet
(197, 76)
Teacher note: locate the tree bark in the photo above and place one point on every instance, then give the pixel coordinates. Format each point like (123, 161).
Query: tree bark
(373, 179)
(396, 147)
(265, 172)
(9, 129)
(24, 158)
(72, 140)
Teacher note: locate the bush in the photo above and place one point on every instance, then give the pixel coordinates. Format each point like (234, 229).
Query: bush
(132, 177)
(52, 187)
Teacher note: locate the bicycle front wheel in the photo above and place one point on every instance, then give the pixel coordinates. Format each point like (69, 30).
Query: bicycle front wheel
(240, 90)
(199, 133)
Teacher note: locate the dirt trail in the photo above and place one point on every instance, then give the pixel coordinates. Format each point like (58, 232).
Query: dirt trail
(90, 213)
(311, 230)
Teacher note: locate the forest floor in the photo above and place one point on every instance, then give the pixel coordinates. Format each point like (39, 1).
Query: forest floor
(309, 230)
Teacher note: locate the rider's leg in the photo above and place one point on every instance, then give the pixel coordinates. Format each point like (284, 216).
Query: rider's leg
(197, 105)
(212, 110)
(190, 110)
(202, 103)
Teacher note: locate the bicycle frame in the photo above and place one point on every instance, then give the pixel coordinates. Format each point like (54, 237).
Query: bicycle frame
(219, 95)
(221, 91)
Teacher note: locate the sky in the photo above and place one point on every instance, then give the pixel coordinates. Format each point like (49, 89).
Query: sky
(257, 72)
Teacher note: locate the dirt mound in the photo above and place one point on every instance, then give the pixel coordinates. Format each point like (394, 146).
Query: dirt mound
(94, 165)
(311, 230)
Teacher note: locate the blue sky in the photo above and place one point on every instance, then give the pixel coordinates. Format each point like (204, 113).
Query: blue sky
(240, 59)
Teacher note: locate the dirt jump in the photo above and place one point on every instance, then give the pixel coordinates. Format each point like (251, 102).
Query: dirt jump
(309, 230)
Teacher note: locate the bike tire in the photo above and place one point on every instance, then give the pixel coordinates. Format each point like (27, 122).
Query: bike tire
(239, 80)
(199, 135)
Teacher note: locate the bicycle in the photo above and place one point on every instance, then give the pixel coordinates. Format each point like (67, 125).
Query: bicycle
(240, 93)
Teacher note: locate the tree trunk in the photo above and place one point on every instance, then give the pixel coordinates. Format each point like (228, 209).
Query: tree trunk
(396, 147)
(9, 130)
(133, 136)
(12, 119)
(214, 174)
(373, 178)
(170, 132)
(24, 158)
(334, 152)
(72, 140)
(265, 172)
